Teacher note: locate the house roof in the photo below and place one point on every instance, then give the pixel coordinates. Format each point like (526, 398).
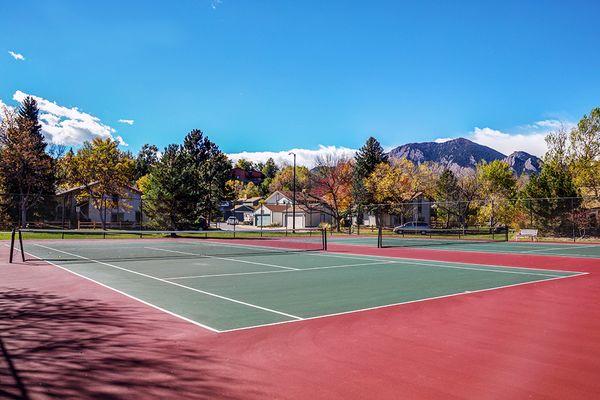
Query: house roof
(283, 193)
(276, 207)
(252, 199)
(243, 208)
(83, 187)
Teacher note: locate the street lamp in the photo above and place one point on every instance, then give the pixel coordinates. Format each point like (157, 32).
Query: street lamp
(293, 194)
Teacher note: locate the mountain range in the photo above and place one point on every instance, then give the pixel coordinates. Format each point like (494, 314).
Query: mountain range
(462, 154)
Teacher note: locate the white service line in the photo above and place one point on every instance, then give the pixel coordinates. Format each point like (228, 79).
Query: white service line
(210, 328)
(416, 262)
(276, 272)
(578, 246)
(404, 302)
(222, 258)
(174, 283)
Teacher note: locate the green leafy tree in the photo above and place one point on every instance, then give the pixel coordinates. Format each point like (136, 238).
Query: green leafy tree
(103, 170)
(499, 190)
(456, 197)
(244, 164)
(551, 196)
(366, 160)
(270, 169)
(27, 171)
(168, 201)
(284, 178)
(146, 158)
(211, 170)
(584, 154)
(186, 186)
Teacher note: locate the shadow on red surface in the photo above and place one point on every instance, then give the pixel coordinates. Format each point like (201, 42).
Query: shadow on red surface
(56, 347)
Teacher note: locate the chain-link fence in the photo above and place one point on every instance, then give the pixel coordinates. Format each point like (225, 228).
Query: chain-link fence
(85, 211)
(573, 218)
(576, 218)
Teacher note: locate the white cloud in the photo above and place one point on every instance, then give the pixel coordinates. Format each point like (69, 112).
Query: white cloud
(533, 143)
(306, 157)
(215, 3)
(17, 56)
(127, 121)
(68, 126)
(529, 138)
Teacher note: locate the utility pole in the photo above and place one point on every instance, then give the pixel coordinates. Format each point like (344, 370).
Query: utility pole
(294, 195)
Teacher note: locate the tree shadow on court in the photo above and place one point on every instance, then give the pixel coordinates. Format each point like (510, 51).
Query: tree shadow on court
(55, 347)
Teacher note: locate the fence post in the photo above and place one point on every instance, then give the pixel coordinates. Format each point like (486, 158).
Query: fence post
(573, 217)
(141, 216)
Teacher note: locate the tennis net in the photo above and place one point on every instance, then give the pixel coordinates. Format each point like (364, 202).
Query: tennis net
(440, 237)
(104, 245)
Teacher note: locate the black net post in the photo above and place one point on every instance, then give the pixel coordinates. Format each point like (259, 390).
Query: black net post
(12, 245)
(21, 245)
(62, 222)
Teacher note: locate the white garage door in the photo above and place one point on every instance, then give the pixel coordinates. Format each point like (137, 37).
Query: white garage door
(299, 221)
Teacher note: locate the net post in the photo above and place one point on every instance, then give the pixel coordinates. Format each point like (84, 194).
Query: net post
(12, 245)
(324, 238)
(21, 245)
(379, 237)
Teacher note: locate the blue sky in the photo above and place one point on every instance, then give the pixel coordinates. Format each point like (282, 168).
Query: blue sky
(275, 75)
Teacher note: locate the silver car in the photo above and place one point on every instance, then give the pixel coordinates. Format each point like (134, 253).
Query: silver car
(412, 227)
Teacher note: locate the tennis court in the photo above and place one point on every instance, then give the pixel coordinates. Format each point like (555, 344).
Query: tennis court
(226, 285)
(591, 250)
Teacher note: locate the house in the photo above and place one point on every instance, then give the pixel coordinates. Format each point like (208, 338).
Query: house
(251, 201)
(416, 210)
(75, 209)
(279, 197)
(242, 175)
(278, 210)
(244, 213)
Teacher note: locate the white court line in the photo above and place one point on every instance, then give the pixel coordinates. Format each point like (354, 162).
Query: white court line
(127, 294)
(222, 258)
(174, 283)
(377, 258)
(403, 302)
(419, 261)
(275, 272)
(579, 246)
(411, 262)
(391, 261)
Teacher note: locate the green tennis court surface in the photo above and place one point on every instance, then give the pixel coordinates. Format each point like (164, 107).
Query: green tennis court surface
(550, 249)
(230, 292)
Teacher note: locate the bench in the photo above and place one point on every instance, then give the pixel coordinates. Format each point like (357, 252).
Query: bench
(527, 233)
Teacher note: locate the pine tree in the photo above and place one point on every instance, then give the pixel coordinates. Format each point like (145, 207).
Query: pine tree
(366, 160)
(27, 170)
(146, 158)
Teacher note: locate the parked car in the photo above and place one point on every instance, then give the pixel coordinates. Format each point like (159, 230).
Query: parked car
(412, 227)
(232, 221)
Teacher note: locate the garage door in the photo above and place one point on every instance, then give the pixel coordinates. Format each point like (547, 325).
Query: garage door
(299, 221)
(262, 220)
